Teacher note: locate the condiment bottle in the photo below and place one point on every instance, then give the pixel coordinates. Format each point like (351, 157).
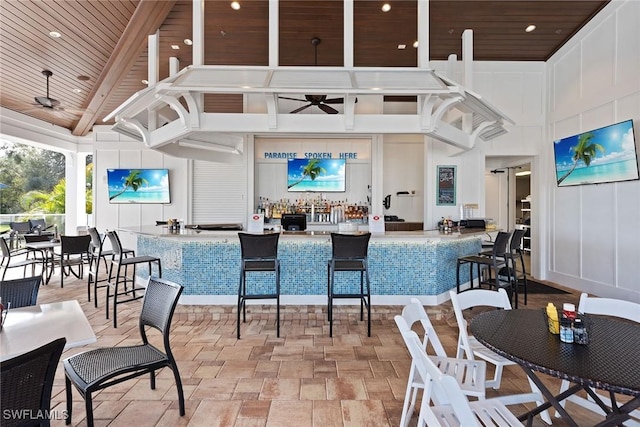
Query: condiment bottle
(580, 335)
(566, 332)
(552, 319)
(569, 311)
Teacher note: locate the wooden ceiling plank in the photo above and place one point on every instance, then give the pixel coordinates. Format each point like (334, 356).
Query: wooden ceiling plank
(147, 18)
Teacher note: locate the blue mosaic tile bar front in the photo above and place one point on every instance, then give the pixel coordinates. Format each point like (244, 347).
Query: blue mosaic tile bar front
(412, 266)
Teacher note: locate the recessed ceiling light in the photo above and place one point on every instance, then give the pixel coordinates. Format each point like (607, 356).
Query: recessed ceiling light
(188, 42)
(175, 47)
(235, 5)
(402, 46)
(376, 88)
(530, 28)
(77, 90)
(145, 82)
(386, 7)
(559, 31)
(54, 34)
(415, 44)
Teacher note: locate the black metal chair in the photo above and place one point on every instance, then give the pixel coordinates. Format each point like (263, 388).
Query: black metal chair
(259, 254)
(349, 253)
(103, 367)
(490, 261)
(518, 275)
(74, 251)
(7, 261)
(97, 253)
(20, 292)
(120, 264)
(20, 227)
(39, 226)
(27, 381)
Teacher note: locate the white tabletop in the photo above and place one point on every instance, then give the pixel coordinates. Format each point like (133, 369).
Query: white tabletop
(27, 328)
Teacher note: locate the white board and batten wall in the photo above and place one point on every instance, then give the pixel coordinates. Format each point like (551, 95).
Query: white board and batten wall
(593, 230)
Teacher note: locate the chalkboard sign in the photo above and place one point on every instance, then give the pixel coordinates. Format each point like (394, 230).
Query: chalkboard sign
(446, 191)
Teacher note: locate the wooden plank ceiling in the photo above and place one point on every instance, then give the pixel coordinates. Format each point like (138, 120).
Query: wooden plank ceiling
(101, 58)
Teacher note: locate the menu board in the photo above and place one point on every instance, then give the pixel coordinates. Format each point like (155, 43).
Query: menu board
(446, 191)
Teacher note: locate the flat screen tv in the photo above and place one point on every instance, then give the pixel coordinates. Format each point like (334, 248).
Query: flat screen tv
(138, 185)
(606, 154)
(319, 175)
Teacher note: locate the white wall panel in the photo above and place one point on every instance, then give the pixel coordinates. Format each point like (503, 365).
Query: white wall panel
(603, 115)
(567, 231)
(598, 58)
(567, 81)
(403, 171)
(598, 239)
(628, 42)
(627, 233)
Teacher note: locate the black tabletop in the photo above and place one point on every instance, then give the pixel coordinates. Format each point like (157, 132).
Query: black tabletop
(611, 360)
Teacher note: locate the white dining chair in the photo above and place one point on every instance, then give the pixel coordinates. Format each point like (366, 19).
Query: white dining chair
(451, 406)
(470, 374)
(469, 347)
(607, 307)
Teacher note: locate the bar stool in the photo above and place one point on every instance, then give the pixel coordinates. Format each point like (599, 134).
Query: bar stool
(515, 252)
(120, 264)
(96, 254)
(349, 253)
(491, 261)
(259, 254)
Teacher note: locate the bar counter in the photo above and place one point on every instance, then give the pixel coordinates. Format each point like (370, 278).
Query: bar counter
(401, 264)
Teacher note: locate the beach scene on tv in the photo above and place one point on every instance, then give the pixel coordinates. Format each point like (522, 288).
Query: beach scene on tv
(319, 175)
(601, 155)
(138, 185)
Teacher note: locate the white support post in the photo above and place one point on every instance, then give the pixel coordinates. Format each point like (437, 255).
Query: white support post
(423, 33)
(467, 58)
(451, 66)
(174, 66)
(198, 32)
(274, 23)
(467, 64)
(153, 71)
(71, 194)
(348, 33)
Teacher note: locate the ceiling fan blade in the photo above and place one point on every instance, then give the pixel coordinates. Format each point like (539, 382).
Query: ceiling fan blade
(297, 110)
(327, 109)
(334, 101)
(292, 99)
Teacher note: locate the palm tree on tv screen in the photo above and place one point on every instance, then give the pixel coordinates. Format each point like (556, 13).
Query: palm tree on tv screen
(133, 180)
(585, 151)
(311, 170)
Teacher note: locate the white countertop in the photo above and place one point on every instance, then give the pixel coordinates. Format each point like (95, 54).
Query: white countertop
(28, 328)
(191, 234)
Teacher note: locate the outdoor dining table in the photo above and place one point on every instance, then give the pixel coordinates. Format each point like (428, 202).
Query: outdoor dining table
(608, 362)
(28, 328)
(46, 248)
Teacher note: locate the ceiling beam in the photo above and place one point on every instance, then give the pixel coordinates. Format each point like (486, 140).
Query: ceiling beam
(146, 19)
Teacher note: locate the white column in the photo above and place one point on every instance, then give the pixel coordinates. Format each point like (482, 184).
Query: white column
(174, 66)
(71, 194)
(348, 33)
(198, 32)
(81, 197)
(423, 33)
(274, 40)
(153, 71)
(467, 58)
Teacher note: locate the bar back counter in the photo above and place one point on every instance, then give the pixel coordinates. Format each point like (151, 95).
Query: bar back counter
(401, 264)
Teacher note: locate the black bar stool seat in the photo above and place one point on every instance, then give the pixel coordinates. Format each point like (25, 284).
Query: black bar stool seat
(119, 264)
(349, 253)
(259, 253)
(491, 261)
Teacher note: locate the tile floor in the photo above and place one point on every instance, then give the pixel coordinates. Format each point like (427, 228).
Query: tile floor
(303, 378)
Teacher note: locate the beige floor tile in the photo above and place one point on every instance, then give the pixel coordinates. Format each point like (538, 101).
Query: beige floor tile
(313, 389)
(140, 413)
(327, 413)
(294, 413)
(346, 389)
(216, 413)
(364, 413)
(296, 369)
(280, 389)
